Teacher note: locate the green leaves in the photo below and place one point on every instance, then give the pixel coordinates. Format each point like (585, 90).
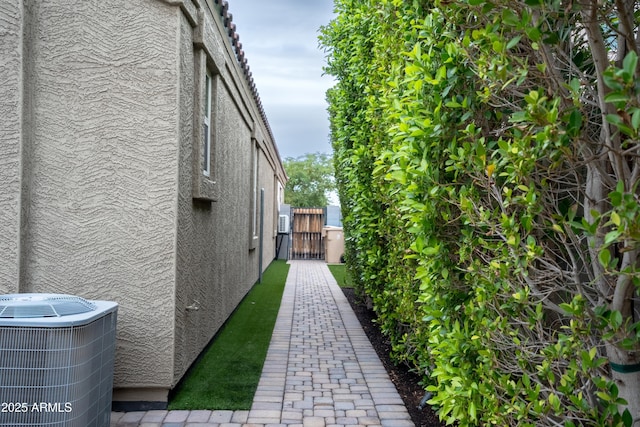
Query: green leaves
(310, 180)
(604, 257)
(629, 67)
(624, 96)
(473, 170)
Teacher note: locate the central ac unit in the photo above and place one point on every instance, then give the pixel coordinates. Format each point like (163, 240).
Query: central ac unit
(283, 224)
(56, 360)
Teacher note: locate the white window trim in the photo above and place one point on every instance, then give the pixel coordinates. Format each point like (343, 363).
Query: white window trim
(206, 142)
(206, 81)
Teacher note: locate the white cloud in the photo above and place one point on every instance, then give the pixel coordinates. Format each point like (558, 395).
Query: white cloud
(301, 130)
(282, 91)
(280, 41)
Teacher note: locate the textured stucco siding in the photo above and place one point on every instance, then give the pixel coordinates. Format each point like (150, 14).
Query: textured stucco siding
(268, 183)
(101, 168)
(216, 268)
(99, 107)
(216, 264)
(11, 57)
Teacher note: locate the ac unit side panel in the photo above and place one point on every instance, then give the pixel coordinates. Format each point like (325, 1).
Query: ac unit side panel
(283, 224)
(58, 376)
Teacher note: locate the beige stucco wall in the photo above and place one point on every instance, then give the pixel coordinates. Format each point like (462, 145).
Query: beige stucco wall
(98, 109)
(219, 265)
(11, 58)
(268, 182)
(99, 159)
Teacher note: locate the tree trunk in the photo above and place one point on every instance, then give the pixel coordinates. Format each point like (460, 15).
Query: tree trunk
(626, 374)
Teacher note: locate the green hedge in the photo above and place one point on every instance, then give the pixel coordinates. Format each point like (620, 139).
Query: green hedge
(487, 169)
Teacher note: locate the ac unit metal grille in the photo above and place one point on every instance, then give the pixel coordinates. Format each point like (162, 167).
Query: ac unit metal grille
(42, 305)
(58, 376)
(283, 224)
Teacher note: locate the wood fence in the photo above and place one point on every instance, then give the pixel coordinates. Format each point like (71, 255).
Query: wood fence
(306, 233)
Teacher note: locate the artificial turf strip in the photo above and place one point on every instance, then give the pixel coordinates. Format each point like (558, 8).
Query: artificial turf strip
(340, 273)
(227, 375)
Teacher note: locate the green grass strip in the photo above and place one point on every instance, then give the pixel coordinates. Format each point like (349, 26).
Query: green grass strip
(227, 375)
(340, 273)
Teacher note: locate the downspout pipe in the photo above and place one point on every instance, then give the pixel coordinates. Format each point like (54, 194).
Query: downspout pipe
(261, 243)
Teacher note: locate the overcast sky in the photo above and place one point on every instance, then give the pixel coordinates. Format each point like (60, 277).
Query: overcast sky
(280, 41)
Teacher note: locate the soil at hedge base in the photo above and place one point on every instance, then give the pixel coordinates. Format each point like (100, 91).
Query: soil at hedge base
(406, 382)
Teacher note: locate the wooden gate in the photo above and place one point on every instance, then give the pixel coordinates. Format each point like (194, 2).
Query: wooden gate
(306, 233)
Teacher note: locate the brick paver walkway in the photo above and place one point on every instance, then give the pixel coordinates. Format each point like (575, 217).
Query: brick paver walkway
(320, 371)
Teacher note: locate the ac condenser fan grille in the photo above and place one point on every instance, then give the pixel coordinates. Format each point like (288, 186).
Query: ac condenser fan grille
(56, 360)
(16, 306)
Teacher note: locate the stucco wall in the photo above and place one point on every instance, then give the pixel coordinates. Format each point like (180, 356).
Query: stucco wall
(99, 107)
(11, 58)
(216, 264)
(268, 182)
(100, 164)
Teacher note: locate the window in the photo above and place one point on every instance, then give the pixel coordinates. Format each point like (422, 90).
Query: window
(206, 83)
(254, 195)
(206, 136)
(280, 193)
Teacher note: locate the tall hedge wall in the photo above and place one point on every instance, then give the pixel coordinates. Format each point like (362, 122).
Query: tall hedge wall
(486, 155)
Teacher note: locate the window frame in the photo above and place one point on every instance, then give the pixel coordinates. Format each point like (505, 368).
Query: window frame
(254, 194)
(206, 122)
(205, 126)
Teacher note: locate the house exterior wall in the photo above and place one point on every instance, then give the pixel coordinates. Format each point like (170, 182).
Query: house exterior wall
(218, 262)
(268, 182)
(98, 181)
(102, 195)
(11, 96)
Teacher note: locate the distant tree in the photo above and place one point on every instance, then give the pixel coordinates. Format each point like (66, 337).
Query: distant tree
(310, 180)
